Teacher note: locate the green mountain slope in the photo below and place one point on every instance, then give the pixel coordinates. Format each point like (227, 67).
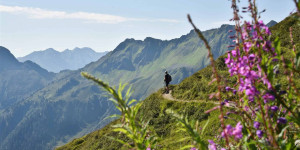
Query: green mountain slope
(142, 63)
(190, 90)
(71, 106)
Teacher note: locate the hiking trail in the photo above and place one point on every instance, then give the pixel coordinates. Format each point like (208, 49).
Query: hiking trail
(171, 98)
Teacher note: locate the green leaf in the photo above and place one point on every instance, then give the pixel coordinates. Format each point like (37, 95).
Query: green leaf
(297, 61)
(251, 145)
(120, 141)
(259, 117)
(182, 139)
(126, 132)
(113, 116)
(128, 94)
(187, 147)
(288, 145)
(204, 127)
(282, 131)
(132, 101)
(114, 101)
(277, 46)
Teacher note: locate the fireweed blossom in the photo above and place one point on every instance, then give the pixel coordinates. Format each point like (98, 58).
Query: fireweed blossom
(281, 120)
(274, 108)
(268, 97)
(247, 62)
(254, 62)
(212, 145)
(235, 132)
(228, 131)
(259, 133)
(256, 124)
(248, 66)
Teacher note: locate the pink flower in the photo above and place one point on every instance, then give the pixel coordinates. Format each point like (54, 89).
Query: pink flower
(246, 108)
(233, 52)
(251, 57)
(237, 131)
(212, 145)
(259, 133)
(256, 124)
(227, 131)
(247, 46)
(267, 97)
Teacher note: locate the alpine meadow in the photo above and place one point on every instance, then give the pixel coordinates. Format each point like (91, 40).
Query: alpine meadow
(234, 86)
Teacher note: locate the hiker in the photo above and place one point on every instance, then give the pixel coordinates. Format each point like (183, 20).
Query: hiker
(167, 80)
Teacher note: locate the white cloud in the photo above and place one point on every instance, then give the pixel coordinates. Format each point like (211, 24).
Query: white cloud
(38, 13)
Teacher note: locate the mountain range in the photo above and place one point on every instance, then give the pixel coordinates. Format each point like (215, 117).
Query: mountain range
(56, 61)
(68, 106)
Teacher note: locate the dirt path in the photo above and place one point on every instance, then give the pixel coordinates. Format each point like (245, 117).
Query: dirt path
(171, 98)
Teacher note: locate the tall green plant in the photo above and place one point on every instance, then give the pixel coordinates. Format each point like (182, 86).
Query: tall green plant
(134, 127)
(192, 128)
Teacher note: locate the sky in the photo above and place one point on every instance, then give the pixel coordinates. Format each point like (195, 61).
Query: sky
(34, 25)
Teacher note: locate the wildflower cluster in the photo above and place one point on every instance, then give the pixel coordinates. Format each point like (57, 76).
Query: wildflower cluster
(263, 103)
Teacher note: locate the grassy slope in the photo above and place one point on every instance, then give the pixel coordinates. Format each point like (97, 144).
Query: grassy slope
(195, 87)
(165, 127)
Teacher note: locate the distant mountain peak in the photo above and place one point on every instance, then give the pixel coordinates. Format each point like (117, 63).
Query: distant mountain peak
(50, 49)
(151, 39)
(128, 40)
(226, 25)
(83, 49)
(56, 61)
(5, 51)
(6, 57)
(271, 23)
(76, 49)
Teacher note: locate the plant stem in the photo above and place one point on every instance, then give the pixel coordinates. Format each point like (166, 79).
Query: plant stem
(200, 35)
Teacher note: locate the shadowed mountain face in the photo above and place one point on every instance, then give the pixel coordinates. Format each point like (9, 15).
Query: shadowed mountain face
(19, 80)
(8, 60)
(71, 106)
(55, 61)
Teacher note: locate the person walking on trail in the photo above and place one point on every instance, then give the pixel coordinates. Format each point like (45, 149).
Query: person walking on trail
(167, 80)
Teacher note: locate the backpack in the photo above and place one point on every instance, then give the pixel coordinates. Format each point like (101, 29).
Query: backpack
(169, 78)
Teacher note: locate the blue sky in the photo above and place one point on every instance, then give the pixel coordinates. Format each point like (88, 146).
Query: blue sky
(33, 25)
